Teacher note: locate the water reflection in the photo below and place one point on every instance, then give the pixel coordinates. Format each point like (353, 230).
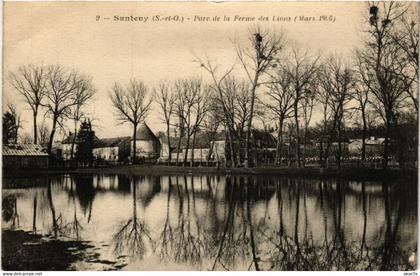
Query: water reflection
(223, 223)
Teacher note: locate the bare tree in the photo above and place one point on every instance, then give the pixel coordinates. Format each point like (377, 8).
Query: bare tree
(337, 81)
(63, 87)
(324, 99)
(406, 36)
(192, 106)
(219, 87)
(302, 70)
(261, 56)
(131, 105)
(307, 104)
(30, 82)
(382, 57)
(166, 101)
(83, 93)
(211, 124)
(239, 98)
(361, 95)
(279, 100)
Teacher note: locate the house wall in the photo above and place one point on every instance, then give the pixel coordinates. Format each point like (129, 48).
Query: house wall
(107, 154)
(219, 150)
(66, 150)
(146, 148)
(25, 162)
(200, 155)
(164, 150)
(372, 149)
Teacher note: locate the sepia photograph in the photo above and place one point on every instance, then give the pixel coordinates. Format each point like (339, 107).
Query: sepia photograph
(210, 136)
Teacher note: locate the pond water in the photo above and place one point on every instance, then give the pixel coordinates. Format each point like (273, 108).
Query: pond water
(219, 222)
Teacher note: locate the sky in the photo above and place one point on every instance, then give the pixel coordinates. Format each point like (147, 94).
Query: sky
(68, 33)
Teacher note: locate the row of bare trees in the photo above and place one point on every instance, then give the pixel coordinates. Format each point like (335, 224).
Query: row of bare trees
(281, 85)
(380, 79)
(61, 94)
(287, 85)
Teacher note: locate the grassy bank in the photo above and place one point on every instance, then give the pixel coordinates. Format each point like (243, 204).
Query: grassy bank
(354, 173)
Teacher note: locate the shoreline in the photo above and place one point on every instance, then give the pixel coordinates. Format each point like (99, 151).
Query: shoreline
(353, 173)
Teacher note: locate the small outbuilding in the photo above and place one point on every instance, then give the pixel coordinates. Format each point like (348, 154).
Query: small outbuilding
(25, 156)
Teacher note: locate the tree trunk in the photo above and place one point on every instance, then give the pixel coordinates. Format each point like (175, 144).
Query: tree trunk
(305, 133)
(50, 142)
(73, 142)
(238, 151)
(186, 150)
(192, 150)
(177, 151)
(279, 141)
(386, 145)
(339, 147)
(251, 115)
(364, 137)
(169, 141)
(297, 135)
(134, 154)
(35, 126)
(231, 147)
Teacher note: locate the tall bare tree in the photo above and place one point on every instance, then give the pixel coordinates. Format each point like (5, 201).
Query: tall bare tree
(307, 106)
(30, 82)
(218, 86)
(406, 36)
(192, 106)
(337, 80)
(279, 100)
(361, 95)
(83, 93)
(132, 105)
(63, 86)
(261, 55)
(302, 69)
(382, 56)
(211, 124)
(166, 101)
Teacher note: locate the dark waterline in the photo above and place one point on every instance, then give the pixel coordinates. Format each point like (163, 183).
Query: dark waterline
(211, 222)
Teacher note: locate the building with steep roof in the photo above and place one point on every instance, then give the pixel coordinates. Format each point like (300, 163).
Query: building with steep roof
(24, 156)
(147, 144)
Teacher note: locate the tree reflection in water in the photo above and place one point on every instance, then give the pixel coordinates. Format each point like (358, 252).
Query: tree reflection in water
(233, 242)
(188, 240)
(167, 236)
(73, 228)
(231, 222)
(287, 252)
(57, 222)
(130, 239)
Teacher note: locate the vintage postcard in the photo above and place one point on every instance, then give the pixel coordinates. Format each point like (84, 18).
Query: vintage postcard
(221, 136)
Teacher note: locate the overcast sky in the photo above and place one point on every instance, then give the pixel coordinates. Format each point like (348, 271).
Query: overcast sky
(68, 34)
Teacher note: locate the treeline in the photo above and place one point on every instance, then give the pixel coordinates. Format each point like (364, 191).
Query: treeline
(284, 86)
(273, 84)
(53, 92)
